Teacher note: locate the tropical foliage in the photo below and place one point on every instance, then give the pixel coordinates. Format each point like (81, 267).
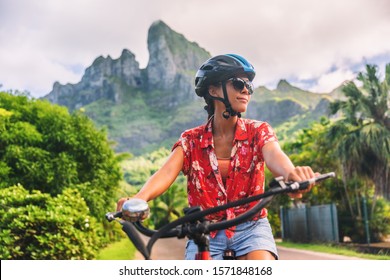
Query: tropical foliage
(313, 147)
(66, 172)
(35, 225)
(43, 147)
(59, 175)
(361, 140)
(168, 206)
(357, 147)
(362, 135)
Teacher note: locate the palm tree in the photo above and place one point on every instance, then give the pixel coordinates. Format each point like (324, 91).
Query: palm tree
(169, 206)
(362, 135)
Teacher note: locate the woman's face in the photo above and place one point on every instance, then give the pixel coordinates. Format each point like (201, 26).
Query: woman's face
(237, 91)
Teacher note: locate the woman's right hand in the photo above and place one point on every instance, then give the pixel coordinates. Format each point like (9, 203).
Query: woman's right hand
(133, 209)
(120, 203)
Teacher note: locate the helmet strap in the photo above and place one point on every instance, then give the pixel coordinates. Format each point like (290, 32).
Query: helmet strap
(229, 112)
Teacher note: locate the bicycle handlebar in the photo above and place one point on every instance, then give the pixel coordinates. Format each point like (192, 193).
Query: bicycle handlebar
(193, 221)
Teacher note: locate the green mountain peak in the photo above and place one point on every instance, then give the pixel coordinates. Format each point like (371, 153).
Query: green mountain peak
(284, 86)
(145, 109)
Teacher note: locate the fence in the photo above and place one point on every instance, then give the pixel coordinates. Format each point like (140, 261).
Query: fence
(308, 224)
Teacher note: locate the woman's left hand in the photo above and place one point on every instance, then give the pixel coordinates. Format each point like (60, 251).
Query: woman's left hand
(298, 174)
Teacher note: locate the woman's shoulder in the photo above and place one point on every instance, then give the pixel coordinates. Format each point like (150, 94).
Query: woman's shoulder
(194, 132)
(260, 130)
(255, 124)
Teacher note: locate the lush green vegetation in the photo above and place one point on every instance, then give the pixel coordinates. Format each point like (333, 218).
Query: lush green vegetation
(59, 174)
(357, 147)
(35, 225)
(142, 122)
(313, 147)
(58, 177)
(362, 136)
(288, 109)
(361, 141)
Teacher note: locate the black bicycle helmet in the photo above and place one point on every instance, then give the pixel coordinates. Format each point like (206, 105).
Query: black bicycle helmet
(219, 69)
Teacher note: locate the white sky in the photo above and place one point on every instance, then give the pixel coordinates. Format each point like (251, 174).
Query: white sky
(314, 44)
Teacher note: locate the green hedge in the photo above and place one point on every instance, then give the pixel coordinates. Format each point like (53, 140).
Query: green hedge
(35, 225)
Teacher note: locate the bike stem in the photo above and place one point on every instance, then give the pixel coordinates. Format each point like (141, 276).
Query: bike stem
(203, 244)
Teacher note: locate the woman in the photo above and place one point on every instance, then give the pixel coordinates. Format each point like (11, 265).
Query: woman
(224, 160)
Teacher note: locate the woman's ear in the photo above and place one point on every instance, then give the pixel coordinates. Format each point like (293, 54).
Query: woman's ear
(213, 90)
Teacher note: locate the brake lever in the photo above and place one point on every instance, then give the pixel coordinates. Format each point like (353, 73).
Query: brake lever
(111, 216)
(296, 186)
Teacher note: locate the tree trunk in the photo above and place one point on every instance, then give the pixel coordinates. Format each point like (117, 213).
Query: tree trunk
(381, 179)
(346, 192)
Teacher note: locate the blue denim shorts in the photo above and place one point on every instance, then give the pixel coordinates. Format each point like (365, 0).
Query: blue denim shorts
(249, 236)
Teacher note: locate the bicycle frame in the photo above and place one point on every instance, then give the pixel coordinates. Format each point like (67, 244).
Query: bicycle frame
(194, 225)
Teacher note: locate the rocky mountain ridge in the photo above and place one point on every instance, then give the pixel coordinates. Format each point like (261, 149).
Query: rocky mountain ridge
(171, 67)
(144, 109)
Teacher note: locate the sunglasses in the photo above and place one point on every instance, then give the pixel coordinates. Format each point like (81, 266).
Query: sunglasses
(239, 85)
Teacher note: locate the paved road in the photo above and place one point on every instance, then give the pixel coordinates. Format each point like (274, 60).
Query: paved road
(295, 254)
(173, 249)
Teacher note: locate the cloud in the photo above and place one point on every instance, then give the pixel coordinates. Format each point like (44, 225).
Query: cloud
(34, 73)
(44, 41)
(301, 39)
(327, 81)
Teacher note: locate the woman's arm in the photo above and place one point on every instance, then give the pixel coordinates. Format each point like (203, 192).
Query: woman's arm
(280, 165)
(160, 181)
(276, 160)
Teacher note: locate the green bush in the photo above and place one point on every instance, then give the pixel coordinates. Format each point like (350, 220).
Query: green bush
(43, 147)
(35, 225)
(378, 221)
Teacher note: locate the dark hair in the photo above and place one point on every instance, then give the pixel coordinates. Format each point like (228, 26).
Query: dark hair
(209, 107)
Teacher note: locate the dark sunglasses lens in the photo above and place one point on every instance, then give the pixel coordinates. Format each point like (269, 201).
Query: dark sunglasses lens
(239, 84)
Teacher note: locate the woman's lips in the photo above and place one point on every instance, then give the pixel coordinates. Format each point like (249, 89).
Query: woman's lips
(244, 100)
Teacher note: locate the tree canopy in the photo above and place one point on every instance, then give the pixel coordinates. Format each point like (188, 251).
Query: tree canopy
(362, 135)
(58, 177)
(43, 147)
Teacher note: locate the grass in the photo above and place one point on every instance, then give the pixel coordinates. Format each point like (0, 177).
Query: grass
(332, 249)
(121, 250)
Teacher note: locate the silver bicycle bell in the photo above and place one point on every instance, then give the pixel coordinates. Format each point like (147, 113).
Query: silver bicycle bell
(135, 209)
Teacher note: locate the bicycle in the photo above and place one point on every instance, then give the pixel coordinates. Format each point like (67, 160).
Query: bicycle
(193, 224)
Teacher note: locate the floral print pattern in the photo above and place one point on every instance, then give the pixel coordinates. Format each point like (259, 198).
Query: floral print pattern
(246, 171)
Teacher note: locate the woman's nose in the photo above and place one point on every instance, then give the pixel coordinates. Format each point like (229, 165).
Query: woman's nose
(245, 90)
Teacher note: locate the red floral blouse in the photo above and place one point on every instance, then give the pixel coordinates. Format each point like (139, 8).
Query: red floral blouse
(246, 171)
